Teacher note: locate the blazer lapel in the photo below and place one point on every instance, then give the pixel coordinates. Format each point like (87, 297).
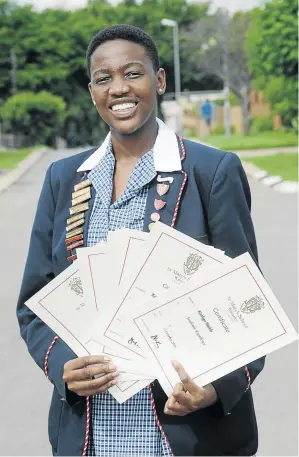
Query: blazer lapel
(165, 206)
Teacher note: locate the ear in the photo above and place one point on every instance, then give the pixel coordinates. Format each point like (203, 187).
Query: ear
(91, 94)
(161, 81)
(90, 89)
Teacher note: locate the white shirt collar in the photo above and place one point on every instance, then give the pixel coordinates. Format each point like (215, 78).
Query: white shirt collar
(166, 151)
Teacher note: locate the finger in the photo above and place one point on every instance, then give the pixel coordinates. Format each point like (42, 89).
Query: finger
(88, 372)
(170, 402)
(104, 388)
(81, 362)
(187, 382)
(185, 399)
(178, 388)
(176, 410)
(92, 385)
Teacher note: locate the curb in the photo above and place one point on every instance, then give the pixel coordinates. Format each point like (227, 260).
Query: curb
(275, 182)
(13, 176)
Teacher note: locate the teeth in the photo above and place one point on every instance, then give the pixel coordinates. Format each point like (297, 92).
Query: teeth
(123, 106)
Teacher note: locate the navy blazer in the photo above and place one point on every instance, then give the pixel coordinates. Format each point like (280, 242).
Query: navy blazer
(208, 200)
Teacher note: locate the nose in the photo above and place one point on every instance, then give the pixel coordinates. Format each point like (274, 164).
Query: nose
(118, 87)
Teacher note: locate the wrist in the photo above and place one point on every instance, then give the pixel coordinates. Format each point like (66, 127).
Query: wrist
(210, 396)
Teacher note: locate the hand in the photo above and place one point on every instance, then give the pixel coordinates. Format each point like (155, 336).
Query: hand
(187, 397)
(80, 375)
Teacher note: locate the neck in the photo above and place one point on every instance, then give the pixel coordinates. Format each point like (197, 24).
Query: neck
(134, 146)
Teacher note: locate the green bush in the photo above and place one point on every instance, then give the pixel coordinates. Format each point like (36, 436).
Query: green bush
(262, 124)
(232, 99)
(37, 116)
(220, 130)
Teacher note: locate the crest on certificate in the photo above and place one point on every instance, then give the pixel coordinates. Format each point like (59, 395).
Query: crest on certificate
(192, 264)
(252, 305)
(75, 285)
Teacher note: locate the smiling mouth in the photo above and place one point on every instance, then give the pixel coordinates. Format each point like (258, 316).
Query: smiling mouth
(124, 109)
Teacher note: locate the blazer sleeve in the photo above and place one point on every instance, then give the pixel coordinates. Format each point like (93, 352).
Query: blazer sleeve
(231, 229)
(38, 337)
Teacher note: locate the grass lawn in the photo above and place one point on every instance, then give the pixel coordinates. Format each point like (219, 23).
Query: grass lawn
(261, 141)
(11, 158)
(284, 165)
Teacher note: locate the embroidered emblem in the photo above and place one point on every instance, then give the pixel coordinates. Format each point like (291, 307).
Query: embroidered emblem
(74, 245)
(76, 218)
(79, 208)
(73, 239)
(71, 258)
(74, 233)
(82, 198)
(75, 224)
(80, 192)
(82, 184)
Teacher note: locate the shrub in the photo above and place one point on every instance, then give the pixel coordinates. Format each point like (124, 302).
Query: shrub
(38, 117)
(220, 130)
(262, 124)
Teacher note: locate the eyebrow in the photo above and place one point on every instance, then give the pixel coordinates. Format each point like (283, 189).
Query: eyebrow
(123, 67)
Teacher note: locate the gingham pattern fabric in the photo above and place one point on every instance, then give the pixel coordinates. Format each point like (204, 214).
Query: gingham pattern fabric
(128, 429)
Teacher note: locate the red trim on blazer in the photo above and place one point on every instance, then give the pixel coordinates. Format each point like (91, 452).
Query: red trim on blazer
(47, 357)
(158, 422)
(87, 428)
(248, 377)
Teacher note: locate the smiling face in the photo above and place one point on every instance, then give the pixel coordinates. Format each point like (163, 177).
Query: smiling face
(124, 85)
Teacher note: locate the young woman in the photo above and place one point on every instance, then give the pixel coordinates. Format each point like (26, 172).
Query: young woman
(205, 195)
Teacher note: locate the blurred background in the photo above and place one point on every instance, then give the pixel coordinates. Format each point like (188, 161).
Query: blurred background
(232, 82)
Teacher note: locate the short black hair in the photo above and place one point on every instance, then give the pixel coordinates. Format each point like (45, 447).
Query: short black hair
(124, 32)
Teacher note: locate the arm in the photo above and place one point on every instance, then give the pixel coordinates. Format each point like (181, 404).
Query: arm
(231, 229)
(49, 353)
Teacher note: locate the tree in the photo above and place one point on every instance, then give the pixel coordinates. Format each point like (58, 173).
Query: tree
(271, 45)
(148, 15)
(50, 48)
(37, 116)
(216, 45)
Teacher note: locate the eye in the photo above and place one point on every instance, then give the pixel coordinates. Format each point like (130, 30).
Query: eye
(133, 74)
(102, 80)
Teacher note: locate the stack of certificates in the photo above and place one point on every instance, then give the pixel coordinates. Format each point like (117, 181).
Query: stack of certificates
(148, 299)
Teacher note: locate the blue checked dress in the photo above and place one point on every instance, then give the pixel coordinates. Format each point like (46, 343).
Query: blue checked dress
(128, 429)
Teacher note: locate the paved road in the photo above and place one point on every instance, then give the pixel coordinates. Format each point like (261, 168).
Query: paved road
(25, 393)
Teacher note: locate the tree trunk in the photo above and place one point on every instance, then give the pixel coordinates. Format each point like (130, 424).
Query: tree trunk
(245, 104)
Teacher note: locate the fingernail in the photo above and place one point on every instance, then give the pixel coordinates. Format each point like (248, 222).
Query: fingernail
(112, 367)
(115, 374)
(175, 364)
(112, 383)
(107, 359)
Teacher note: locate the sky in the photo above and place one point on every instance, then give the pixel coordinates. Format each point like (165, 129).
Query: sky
(232, 5)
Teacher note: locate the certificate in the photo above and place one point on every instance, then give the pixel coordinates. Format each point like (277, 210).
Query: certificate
(62, 306)
(171, 259)
(215, 324)
(60, 299)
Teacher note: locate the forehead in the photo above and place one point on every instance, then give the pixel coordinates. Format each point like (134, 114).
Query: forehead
(115, 53)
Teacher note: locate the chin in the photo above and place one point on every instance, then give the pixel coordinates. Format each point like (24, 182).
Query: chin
(127, 127)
